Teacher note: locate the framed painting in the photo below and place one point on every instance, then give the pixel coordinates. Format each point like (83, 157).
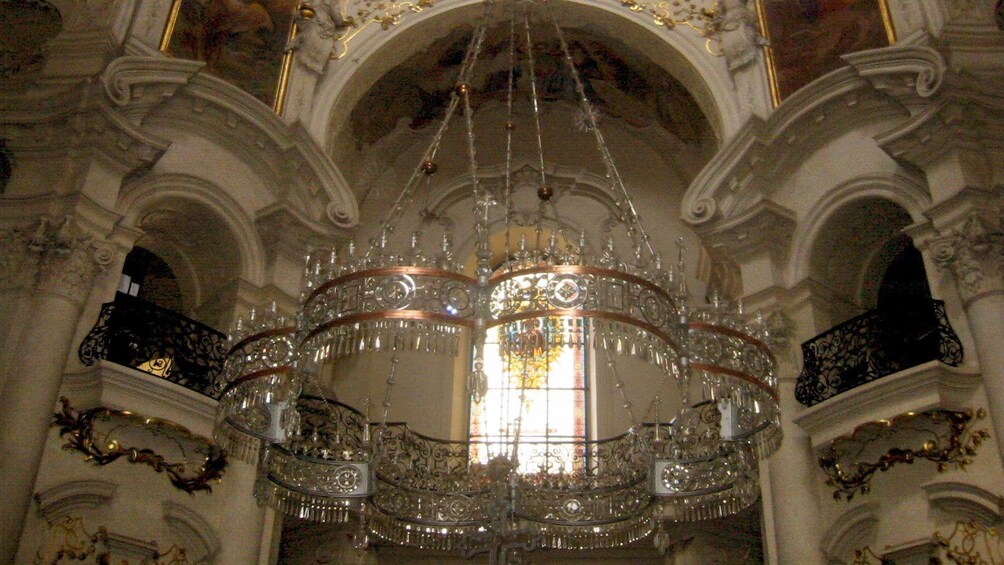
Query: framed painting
(241, 41)
(807, 37)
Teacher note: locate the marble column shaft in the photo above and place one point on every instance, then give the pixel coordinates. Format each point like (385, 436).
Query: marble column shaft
(58, 263)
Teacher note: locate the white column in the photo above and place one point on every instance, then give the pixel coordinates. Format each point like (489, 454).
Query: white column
(65, 262)
(974, 255)
(794, 506)
(986, 321)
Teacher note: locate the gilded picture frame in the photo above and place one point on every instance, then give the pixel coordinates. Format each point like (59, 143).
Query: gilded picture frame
(241, 41)
(807, 37)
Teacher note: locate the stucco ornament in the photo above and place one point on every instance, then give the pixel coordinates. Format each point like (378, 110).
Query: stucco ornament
(54, 256)
(974, 254)
(739, 39)
(320, 25)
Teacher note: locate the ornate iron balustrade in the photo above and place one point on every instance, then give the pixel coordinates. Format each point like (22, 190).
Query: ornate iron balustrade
(875, 344)
(137, 334)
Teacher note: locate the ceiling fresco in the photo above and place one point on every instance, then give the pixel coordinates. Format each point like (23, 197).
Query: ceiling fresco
(27, 26)
(621, 83)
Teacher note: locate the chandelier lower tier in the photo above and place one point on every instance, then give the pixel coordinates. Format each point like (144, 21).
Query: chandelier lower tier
(320, 459)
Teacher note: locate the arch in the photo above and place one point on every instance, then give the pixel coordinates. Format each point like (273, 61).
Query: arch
(580, 184)
(147, 193)
(853, 530)
(72, 497)
(964, 501)
(192, 532)
(906, 193)
(681, 52)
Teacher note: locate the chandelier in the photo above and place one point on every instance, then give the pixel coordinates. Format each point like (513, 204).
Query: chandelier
(691, 454)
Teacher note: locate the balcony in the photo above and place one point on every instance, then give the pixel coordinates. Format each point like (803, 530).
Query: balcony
(873, 345)
(136, 334)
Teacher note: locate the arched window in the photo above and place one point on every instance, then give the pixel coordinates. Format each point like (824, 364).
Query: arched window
(538, 394)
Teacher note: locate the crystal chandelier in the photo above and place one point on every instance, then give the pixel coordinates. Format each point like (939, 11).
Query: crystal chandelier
(320, 459)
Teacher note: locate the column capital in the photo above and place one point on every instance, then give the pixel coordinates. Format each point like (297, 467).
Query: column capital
(18, 265)
(974, 254)
(53, 256)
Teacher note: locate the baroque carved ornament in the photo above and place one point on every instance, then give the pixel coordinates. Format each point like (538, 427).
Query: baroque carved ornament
(974, 255)
(327, 26)
(945, 437)
(191, 462)
(53, 256)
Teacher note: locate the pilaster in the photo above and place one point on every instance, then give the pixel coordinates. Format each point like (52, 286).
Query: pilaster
(61, 261)
(973, 253)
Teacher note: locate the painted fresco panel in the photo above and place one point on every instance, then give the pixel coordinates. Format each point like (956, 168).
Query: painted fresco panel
(241, 41)
(807, 37)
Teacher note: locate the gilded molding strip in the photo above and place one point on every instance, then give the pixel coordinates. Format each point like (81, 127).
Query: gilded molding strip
(69, 540)
(79, 431)
(970, 543)
(704, 21)
(947, 435)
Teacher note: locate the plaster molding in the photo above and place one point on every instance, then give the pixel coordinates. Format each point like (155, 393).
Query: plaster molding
(974, 254)
(148, 192)
(969, 11)
(752, 164)
(912, 552)
(79, 120)
(138, 81)
(920, 388)
(17, 266)
(765, 226)
(851, 530)
(192, 532)
(907, 191)
(173, 95)
(73, 497)
(966, 117)
(122, 388)
(964, 501)
(53, 256)
(876, 85)
(281, 227)
(909, 73)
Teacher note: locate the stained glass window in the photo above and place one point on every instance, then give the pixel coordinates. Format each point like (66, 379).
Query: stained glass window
(538, 389)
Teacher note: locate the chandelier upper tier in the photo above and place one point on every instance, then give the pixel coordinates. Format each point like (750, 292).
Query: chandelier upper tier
(553, 290)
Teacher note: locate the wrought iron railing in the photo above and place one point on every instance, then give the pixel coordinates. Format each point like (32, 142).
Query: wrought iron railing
(155, 340)
(875, 344)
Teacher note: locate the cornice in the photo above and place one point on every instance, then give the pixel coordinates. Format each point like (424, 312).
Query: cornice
(876, 85)
(77, 120)
(911, 74)
(73, 497)
(175, 94)
(280, 225)
(968, 116)
(117, 387)
(138, 83)
(926, 386)
(764, 226)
